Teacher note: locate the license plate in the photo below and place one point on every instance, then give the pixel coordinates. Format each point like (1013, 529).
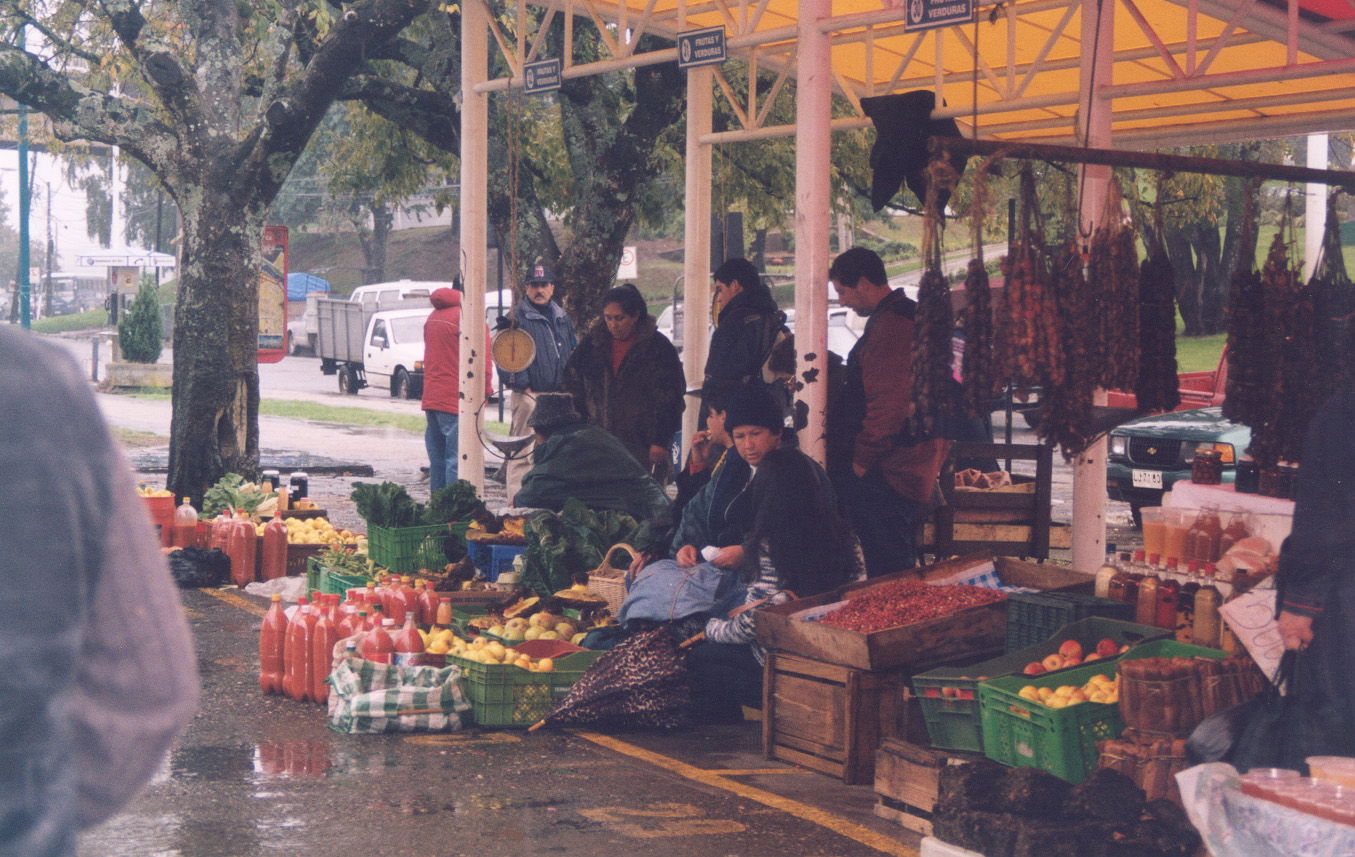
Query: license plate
(1147, 478)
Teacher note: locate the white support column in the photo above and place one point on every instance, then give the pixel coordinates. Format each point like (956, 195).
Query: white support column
(696, 238)
(474, 233)
(1089, 470)
(1315, 205)
(813, 209)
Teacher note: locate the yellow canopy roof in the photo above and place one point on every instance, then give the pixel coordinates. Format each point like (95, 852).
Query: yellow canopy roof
(1224, 70)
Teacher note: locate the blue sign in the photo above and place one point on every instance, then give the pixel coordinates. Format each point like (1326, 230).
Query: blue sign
(927, 14)
(541, 76)
(701, 47)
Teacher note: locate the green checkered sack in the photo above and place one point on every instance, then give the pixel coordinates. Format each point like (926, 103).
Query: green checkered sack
(370, 697)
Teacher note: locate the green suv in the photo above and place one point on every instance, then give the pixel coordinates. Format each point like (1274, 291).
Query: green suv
(1148, 455)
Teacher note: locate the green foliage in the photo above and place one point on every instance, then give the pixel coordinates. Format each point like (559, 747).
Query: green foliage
(571, 542)
(387, 505)
(141, 332)
(74, 321)
(455, 502)
(232, 492)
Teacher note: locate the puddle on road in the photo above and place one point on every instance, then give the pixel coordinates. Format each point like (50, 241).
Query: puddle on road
(292, 758)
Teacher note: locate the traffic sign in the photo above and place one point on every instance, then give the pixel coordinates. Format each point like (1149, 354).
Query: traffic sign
(928, 14)
(701, 47)
(541, 76)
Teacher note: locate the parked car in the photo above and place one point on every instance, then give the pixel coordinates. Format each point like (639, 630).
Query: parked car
(1149, 455)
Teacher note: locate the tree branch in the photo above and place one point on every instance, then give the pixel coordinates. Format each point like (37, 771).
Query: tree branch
(431, 115)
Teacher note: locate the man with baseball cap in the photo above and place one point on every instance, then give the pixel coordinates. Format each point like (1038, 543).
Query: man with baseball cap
(550, 328)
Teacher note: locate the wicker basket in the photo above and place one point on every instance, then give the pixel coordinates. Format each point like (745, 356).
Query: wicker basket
(609, 581)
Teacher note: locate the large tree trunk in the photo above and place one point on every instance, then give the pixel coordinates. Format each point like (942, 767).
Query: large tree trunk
(214, 430)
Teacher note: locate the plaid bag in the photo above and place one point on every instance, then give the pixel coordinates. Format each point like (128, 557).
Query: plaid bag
(369, 697)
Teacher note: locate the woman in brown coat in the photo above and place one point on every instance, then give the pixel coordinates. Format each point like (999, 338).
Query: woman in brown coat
(626, 377)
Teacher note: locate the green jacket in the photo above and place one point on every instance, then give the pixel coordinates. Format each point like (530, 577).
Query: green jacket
(588, 463)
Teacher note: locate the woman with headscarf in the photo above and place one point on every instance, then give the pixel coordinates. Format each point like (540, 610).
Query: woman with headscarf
(626, 377)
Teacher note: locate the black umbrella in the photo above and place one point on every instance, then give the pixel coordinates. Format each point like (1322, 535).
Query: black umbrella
(641, 682)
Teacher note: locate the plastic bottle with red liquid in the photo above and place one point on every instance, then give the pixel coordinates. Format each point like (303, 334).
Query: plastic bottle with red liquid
(410, 595)
(335, 614)
(375, 617)
(393, 600)
(352, 623)
(272, 639)
(323, 637)
(242, 546)
(298, 652)
(221, 525)
(274, 550)
(377, 645)
(184, 533)
(409, 644)
(295, 627)
(428, 604)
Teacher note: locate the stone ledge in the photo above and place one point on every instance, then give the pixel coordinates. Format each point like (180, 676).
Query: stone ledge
(122, 375)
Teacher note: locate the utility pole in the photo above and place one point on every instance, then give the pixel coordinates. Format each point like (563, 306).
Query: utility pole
(25, 313)
(51, 252)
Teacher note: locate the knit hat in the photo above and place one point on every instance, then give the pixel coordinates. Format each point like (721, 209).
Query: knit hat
(753, 405)
(553, 411)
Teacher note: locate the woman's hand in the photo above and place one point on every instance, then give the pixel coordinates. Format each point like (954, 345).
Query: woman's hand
(639, 561)
(699, 453)
(730, 557)
(687, 556)
(1295, 630)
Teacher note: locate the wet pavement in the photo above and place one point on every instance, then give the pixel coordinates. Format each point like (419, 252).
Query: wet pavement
(259, 775)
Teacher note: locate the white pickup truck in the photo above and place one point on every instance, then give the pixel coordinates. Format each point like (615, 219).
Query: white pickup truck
(366, 346)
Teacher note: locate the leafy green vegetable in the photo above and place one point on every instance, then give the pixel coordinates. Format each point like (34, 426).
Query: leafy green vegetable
(455, 502)
(387, 505)
(571, 542)
(232, 492)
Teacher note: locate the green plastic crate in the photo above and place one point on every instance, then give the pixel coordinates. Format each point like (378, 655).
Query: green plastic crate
(1061, 741)
(1172, 649)
(505, 695)
(319, 577)
(402, 549)
(949, 695)
(1033, 617)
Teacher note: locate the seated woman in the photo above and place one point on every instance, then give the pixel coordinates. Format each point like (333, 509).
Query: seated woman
(573, 459)
(798, 546)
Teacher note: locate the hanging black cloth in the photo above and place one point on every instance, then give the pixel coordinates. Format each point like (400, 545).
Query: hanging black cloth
(902, 125)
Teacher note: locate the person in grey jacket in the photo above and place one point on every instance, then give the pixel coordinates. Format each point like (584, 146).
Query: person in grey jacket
(552, 331)
(100, 672)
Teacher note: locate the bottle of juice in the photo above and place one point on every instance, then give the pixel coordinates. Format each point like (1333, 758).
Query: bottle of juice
(1209, 535)
(242, 546)
(375, 616)
(444, 614)
(408, 644)
(1145, 612)
(323, 637)
(1185, 603)
(1238, 529)
(1168, 594)
(1116, 589)
(272, 639)
(185, 530)
(296, 650)
(393, 601)
(410, 595)
(353, 623)
(220, 528)
(1108, 569)
(428, 604)
(1205, 631)
(377, 645)
(274, 549)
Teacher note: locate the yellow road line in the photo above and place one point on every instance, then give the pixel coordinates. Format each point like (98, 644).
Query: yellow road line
(827, 820)
(754, 772)
(236, 601)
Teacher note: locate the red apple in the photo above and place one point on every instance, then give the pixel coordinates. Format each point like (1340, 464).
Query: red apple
(1107, 647)
(931, 692)
(966, 694)
(1034, 668)
(1071, 662)
(950, 692)
(1052, 662)
(1071, 649)
(1091, 656)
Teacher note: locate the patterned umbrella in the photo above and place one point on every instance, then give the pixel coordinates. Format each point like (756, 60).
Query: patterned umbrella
(641, 682)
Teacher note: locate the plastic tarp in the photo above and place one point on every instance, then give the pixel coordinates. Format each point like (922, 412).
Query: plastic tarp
(300, 284)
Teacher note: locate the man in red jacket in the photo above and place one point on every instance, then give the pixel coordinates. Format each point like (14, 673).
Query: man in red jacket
(442, 385)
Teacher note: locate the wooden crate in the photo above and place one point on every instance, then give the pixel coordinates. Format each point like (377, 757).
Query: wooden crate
(917, 647)
(827, 717)
(906, 780)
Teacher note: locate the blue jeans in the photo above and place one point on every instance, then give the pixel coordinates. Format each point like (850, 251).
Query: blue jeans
(439, 438)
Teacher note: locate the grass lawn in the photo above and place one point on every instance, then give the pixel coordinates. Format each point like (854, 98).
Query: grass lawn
(74, 321)
(1199, 353)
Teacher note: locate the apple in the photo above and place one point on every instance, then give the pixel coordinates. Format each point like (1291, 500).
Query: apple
(1071, 649)
(1071, 662)
(932, 692)
(1107, 647)
(950, 692)
(1091, 656)
(1034, 668)
(1124, 648)
(964, 694)
(1052, 662)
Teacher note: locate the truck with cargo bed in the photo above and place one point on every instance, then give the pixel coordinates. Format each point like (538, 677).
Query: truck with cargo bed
(367, 346)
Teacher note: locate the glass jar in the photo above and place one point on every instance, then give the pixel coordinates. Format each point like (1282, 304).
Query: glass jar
(1207, 467)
